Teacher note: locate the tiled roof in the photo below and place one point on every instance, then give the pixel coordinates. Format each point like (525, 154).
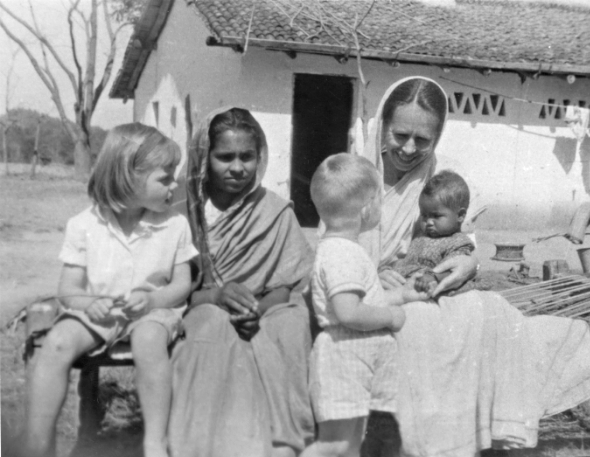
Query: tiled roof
(497, 31)
(496, 34)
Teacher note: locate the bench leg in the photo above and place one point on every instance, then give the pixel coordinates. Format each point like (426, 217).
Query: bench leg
(90, 412)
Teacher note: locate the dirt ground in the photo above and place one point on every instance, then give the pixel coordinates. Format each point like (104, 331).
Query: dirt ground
(33, 215)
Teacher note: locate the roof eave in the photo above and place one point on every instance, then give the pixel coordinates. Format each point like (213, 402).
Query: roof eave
(139, 48)
(239, 43)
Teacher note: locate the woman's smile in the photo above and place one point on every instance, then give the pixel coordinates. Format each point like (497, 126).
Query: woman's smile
(409, 137)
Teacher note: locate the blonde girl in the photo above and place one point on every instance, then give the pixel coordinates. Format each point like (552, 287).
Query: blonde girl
(125, 276)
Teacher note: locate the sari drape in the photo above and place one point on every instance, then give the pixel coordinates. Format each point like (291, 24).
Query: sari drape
(473, 371)
(232, 397)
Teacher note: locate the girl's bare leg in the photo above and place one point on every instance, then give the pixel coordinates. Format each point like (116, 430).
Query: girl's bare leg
(48, 382)
(154, 384)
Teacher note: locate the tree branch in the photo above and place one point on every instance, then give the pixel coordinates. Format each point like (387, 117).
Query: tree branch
(44, 41)
(87, 109)
(49, 82)
(71, 10)
(108, 68)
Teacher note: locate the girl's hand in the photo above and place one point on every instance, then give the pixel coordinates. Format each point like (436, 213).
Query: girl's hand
(462, 268)
(391, 279)
(236, 299)
(99, 309)
(138, 304)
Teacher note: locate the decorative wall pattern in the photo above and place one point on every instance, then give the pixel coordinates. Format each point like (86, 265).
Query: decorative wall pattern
(477, 103)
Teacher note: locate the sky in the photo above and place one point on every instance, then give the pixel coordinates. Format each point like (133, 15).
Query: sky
(26, 89)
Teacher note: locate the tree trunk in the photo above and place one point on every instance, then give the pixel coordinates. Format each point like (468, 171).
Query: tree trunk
(82, 157)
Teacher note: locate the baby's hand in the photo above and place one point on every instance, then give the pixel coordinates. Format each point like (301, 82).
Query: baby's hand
(99, 309)
(426, 283)
(411, 293)
(138, 304)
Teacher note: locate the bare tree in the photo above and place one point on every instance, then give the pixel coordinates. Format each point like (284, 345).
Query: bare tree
(81, 74)
(8, 122)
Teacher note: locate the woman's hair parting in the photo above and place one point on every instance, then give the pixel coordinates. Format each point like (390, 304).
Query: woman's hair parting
(427, 94)
(236, 119)
(129, 152)
(449, 188)
(343, 183)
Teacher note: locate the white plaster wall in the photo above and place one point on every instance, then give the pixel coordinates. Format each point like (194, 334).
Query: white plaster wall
(525, 167)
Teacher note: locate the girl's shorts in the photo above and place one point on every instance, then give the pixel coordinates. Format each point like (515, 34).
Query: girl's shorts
(118, 327)
(352, 372)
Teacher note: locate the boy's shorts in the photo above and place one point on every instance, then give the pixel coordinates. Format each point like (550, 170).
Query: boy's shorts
(352, 372)
(118, 327)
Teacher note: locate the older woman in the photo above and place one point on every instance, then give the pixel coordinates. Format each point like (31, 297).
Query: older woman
(240, 376)
(473, 371)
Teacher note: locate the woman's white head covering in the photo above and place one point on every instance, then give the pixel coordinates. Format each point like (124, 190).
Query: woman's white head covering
(391, 239)
(372, 148)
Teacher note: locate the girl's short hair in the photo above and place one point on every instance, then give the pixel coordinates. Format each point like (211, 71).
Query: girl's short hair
(427, 94)
(236, 119)
(343, 184)
(129, 152)
(448, 188)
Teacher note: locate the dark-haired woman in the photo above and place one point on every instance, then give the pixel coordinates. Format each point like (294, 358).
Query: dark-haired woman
(240, 376)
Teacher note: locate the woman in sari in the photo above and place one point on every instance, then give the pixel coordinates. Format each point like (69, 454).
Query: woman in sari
(240, 376)
(474, 373)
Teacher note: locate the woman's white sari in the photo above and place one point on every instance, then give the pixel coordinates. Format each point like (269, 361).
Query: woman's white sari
(474, 372)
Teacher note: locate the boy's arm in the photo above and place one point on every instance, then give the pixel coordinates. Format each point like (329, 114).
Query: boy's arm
(352, 313)
(405, 294)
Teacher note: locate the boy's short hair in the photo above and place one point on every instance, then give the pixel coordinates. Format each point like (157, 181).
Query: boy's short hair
(449, 188)
(127, 154)
(343, 184)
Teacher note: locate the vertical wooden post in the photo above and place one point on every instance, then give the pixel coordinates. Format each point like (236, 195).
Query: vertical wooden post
(90, 411)
(5, 147)
(36, 150)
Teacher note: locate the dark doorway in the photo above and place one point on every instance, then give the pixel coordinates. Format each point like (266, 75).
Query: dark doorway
(322, 113)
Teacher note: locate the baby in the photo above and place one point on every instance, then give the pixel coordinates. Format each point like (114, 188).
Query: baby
(352, 363)
(443, 206)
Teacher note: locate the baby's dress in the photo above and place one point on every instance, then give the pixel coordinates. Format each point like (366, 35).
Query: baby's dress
(426, 253)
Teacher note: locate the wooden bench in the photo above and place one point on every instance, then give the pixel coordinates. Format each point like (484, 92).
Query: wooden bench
(40, 316)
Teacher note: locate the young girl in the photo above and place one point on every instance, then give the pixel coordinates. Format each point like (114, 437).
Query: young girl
(352, 363)
(125, 276)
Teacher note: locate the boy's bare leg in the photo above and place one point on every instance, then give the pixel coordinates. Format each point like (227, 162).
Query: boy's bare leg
(338, 438)
(154, 384)
(47, 385)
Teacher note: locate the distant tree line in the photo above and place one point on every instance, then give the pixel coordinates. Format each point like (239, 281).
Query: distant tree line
(55, 144)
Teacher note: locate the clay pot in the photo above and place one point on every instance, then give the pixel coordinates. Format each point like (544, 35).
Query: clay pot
(509, 252)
